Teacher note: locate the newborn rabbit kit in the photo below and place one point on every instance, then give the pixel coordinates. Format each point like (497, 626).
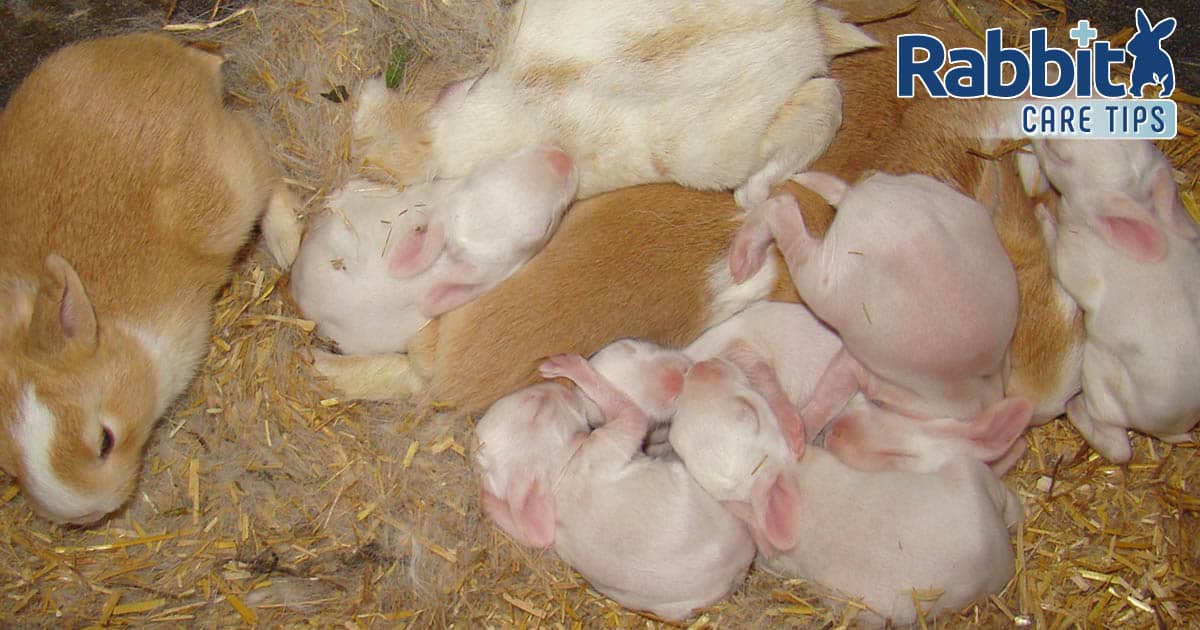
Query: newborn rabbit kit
(268, 496)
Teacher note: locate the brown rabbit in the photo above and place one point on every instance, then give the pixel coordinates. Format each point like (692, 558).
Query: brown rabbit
(126, 191)
(1046, 352)
(648, 261)
(639, 262)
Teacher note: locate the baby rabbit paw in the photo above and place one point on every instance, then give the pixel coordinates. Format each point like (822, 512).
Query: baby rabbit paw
(748, 250)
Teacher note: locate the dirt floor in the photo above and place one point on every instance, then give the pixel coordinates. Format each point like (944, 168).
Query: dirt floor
(265, 500)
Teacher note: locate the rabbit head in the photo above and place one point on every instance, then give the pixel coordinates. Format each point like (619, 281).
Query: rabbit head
(76, 404)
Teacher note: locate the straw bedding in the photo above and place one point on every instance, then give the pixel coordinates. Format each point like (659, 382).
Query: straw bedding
(267, 500)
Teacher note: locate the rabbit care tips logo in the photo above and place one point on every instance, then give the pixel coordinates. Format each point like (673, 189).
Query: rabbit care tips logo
(1057, 92)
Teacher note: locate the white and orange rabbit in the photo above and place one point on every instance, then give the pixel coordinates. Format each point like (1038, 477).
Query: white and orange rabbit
(713, 95)
(126, 192)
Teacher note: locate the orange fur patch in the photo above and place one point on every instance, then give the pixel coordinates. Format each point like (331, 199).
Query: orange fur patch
(689, 30)
(631, 263)
(553, 76)
(1045, 334)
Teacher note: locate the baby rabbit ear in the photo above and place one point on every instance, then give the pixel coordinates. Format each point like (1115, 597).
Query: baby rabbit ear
(497, 509)
(63, 317)
(417, 250)
(992, 432)
(458, 282)
(773, 501)
(764, 381)
(526, 512)
(533, 514)
(1129, 228)
(445, 297)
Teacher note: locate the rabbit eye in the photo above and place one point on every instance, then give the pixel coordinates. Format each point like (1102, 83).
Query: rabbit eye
(106, 442)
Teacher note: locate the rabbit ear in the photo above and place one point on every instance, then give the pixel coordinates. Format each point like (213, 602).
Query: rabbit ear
(992, 432)
(526, 512)
(63, 318)
(417, 250)
(773, 503)
(532, 508)
(447, 296)
(455, 283)
(765, 383)
(1143, 22)
(1138, 238)
(1164, 28)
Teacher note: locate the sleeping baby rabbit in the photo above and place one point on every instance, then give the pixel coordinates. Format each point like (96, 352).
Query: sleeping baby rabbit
(376, 268)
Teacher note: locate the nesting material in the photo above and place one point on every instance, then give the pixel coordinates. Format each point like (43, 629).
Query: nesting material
(267, 500)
